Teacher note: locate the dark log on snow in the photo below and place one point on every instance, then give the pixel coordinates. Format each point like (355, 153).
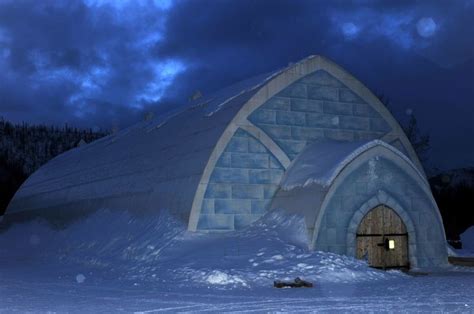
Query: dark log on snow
(297, 283)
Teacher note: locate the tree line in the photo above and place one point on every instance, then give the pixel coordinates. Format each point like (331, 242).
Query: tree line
(24, 148)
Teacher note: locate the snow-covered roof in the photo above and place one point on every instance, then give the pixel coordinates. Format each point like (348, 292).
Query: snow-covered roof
(221, 98)
(164, 155)
(322, 161)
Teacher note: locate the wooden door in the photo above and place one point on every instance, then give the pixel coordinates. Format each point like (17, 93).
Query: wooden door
(382, 239)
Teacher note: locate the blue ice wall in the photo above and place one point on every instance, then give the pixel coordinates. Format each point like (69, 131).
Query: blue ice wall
(317, 106)
(241, 186)
(380, 174)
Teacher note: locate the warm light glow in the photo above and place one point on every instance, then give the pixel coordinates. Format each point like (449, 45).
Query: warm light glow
(391, 244)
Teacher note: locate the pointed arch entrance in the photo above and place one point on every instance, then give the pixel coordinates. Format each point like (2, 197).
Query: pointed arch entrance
(382, 239)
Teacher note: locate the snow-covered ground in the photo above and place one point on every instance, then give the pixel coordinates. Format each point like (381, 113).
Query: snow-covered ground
(115, 262)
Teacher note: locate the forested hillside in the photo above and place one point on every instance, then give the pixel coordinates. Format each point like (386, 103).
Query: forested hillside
(24, 148)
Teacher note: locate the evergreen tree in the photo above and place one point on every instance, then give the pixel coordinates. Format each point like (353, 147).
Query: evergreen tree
(25, 148)
(420, 142)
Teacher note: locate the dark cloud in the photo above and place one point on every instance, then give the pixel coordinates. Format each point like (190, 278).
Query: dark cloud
(224, 41)
(61, 59)
(103, 62)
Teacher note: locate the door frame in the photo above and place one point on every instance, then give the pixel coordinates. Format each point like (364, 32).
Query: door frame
(384, 238)
(382, 198)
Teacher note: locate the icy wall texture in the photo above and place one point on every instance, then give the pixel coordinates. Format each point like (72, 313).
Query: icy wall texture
(376, 175)
(246, 176)
(317, 106)
(241, 186)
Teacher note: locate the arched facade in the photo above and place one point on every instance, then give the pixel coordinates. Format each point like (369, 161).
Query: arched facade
(335, 194)
(312, 100)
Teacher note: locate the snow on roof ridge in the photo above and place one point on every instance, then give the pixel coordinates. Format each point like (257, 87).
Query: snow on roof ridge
(162, 119)
(261, 83)
(222, 104)
(325, 182)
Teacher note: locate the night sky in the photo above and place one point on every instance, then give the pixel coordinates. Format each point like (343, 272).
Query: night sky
(102, 64)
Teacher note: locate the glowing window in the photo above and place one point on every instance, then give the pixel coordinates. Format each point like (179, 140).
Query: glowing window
(391, 244)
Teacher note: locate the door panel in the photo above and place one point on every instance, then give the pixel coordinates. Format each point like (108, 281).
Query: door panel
(368, 250)
(397, 257)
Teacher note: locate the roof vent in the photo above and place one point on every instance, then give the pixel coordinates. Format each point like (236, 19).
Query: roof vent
(196, 95)
(148, 116)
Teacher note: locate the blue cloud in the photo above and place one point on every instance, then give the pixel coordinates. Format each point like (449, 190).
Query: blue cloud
(426, 27)
(350, 30)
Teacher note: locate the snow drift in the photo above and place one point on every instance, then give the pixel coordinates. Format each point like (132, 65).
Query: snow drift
(159, 250)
